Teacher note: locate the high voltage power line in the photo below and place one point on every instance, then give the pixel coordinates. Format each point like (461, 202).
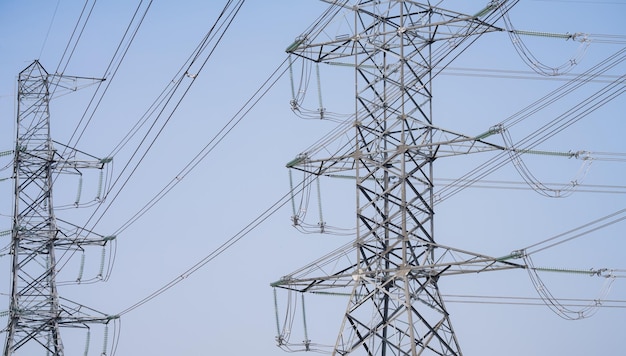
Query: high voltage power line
(451, 186)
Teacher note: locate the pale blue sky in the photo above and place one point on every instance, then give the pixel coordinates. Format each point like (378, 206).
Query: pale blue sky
(227, 307)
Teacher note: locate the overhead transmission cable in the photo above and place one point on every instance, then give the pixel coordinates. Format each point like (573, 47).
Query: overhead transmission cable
(189, 68)
(437, 59)
(528, 57)
(529, 301)
(110, 71)
(599, 98)
(210, 146)
(521, 185)
(56, 83)
(513, 151)
(581, 110)
(196, 58)
(596, 71)
(525, 113)
(518, 74)
(557, 305)
(229, 243)
(114, 64)
(75, 37)
(593, 102)
(575, 233)
(273, 208)
(561, 122)
(45, 40)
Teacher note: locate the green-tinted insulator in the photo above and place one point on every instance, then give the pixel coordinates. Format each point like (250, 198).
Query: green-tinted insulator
(546, 153)
(293, 88)
(589, 272)
(306, 333)
(512, 256)
(543, 34)
(4, 313)
(87, 341)
(6, 153)
(81, 268)
(100, 179)
(319, 88)
(485, 134)
(102, 261)
(484, 11)
(319, 201)
(294, 46)
(296, 161)
(106, 340)
(276, 311)
(492, 131)
(5, 233)
(80, 189)
(293, 199)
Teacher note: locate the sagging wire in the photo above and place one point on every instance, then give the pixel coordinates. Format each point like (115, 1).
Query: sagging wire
(103, 181)
(298, 95)
(529, 301)
(536, 184)
(110, 72)
(392, 96)
(198, 59)
(285, 332)
(554, 303)
(73, 41)
(299, 214)
(532, 140)
(301, 204)
(110, 327)
(536, 65)
(195, 58)
(71, 239)
(519, 185)
(546, 296)
(104, 262)
(208, 148)
(282, 201)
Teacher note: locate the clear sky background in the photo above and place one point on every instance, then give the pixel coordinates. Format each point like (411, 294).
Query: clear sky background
(227, 307)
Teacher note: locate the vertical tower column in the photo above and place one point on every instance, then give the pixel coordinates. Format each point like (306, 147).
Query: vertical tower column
(36, 313)
(34, 310)
(395, 308)
(396, 48)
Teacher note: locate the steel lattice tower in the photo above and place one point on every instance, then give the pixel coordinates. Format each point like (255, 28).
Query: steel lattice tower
(396, 48)
(39, 240)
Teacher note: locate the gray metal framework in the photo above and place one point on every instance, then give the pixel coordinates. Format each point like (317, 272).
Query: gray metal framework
(40, 240)
(396, 48)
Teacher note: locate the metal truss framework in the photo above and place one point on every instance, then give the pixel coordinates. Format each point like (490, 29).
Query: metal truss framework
(39, 241)
(395, 307)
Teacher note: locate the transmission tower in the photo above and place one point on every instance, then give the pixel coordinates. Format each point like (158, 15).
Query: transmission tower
(396, 48)
(41, 243)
